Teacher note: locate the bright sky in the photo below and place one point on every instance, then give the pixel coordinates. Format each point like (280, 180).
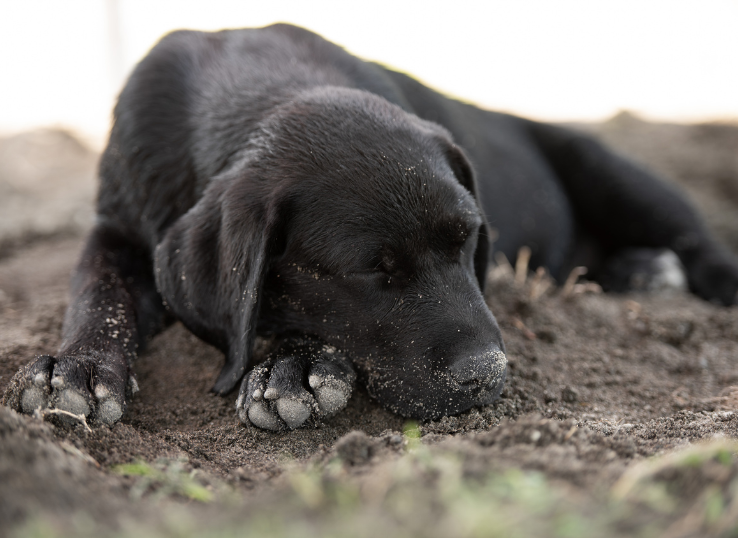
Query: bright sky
(548, 59)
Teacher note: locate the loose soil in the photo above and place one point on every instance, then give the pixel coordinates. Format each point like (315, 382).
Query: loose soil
(597, 382)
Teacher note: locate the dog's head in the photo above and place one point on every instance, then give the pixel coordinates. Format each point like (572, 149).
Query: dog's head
(352, 220)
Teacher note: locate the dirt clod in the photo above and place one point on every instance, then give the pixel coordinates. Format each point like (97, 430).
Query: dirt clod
(355, 448)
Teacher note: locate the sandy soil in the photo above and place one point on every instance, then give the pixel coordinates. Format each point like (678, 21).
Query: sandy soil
(597, 382)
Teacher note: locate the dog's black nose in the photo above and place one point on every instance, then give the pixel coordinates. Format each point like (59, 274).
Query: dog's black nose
(479, 369)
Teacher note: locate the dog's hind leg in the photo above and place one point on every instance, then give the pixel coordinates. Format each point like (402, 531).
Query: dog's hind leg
(642, 269)
(114, 308)
(302, 379)
(624, 206)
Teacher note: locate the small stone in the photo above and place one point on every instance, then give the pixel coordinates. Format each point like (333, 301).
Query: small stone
(569, 395)
(355, 448)
(547, 335)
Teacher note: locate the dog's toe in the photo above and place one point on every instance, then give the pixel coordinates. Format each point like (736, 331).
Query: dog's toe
(331, 394)
(286, 391)
(33, 398)
(331, 379)
(259, 415)
(254, 400)
(29, 390)
(109, 409)
(293, 411)
(72, 401)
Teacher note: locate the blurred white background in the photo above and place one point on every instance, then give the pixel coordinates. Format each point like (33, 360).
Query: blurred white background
(63, 62)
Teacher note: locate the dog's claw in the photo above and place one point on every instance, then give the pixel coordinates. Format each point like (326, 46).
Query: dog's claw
(273, 397)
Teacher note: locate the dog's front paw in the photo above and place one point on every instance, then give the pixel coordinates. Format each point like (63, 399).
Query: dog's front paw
(68, 386)
(300, 381)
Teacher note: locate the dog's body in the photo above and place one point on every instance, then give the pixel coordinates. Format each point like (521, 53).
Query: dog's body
(267, 181)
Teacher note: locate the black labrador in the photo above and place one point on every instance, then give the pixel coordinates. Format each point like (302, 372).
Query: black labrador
(264, 181)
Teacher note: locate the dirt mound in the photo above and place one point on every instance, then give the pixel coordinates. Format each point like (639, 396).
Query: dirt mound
(47, 186)
(42, 473)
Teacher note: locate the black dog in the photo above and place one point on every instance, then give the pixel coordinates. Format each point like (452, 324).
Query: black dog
(265, 181)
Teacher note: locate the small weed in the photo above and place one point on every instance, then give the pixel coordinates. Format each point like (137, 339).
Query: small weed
(164, 478)
(412, 434)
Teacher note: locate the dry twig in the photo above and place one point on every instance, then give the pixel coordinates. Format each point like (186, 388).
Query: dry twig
(81, 418)
(521, 266)
(571, 280)
(503, 267)
(518, 323)
(540, 283)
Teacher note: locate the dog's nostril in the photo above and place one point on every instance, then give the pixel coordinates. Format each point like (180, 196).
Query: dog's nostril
(479, 369)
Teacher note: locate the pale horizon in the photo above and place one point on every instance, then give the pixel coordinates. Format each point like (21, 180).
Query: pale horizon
(63, 63)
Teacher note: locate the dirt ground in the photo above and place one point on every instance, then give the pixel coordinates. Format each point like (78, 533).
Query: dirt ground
(598, 383)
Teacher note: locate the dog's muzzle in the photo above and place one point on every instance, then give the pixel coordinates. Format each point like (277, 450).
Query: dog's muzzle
(480, 370)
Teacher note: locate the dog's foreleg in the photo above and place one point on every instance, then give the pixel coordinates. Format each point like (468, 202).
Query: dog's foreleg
(114, 306)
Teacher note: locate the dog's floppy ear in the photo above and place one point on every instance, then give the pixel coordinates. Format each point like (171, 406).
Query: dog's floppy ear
(211, 264)
(462, 168)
